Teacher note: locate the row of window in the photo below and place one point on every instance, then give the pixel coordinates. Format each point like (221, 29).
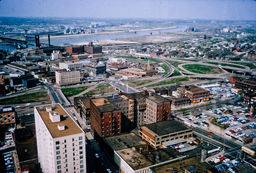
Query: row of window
(58, 142)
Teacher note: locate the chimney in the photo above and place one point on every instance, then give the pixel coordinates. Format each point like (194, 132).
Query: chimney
(145, 93)
(49, 40)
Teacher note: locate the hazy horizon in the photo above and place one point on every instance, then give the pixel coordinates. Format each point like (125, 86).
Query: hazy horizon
(132, 9)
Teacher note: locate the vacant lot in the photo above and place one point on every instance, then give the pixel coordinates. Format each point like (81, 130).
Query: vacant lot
(27, 98)
(171, 81)
(73, 91)
(202, 69)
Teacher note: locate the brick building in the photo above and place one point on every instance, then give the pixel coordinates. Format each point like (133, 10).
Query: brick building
(92, 49)
(194, 93)
(248, 97)
(182, 101)
(74, 49)
(158, 109)
(246, 84)
(105, 117)
(82, 105)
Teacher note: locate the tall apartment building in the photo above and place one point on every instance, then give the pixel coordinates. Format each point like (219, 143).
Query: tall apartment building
(105, 117)
(60, 141)
(67, 77)
(158, 109)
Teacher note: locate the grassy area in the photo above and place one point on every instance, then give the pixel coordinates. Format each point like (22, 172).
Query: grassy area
(214, 122)
(166, 68)
(171, 81)
(154, 60)
(250, 65)
(203, 69)
(175, 63)
(193, 60)
(176, 73)
(27, 98)
(224, 64)
(73, 91)
(101, 89)
(139, 82)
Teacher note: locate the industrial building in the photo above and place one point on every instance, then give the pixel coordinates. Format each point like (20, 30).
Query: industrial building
(60, 140)
(158, 133)
(67, 77)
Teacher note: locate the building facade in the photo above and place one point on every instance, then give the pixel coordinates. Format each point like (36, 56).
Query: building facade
(158, 109)
(60, 141)
(67, 77)
(194, 93)
(105, 118)
(157, 133)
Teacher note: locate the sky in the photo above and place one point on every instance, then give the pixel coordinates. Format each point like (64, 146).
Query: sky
(159, 9)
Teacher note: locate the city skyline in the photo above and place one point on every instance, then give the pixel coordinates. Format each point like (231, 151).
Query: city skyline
(145, 9)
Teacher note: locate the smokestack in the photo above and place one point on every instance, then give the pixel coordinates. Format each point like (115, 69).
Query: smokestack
(49, 40)
(37, 41)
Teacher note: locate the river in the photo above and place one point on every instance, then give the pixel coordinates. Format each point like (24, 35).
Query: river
(62, 41)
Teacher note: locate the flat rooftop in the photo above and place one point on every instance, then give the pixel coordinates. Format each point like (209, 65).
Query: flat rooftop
(181, 166)
(134, 70)
(124, 141)
(158, 99)
(135, 159)
(104, 105)
(70, 126)
(195, 89)
(165, 127)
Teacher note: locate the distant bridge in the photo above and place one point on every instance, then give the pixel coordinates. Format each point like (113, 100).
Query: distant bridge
(30, 41)
(11, 40)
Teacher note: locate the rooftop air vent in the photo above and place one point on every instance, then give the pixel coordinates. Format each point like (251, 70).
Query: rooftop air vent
(61, 127)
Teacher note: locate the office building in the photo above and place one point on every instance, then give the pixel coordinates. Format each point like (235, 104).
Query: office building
(60, 141)
(67, 77)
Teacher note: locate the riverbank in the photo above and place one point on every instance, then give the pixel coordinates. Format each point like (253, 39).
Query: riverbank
(44, 38)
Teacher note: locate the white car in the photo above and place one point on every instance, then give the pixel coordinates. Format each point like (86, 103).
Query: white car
(97, 155)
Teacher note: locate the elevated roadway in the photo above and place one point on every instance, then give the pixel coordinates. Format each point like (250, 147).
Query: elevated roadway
(123, 88)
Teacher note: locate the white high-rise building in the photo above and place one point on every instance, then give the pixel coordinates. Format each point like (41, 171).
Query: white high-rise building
(60, 141)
